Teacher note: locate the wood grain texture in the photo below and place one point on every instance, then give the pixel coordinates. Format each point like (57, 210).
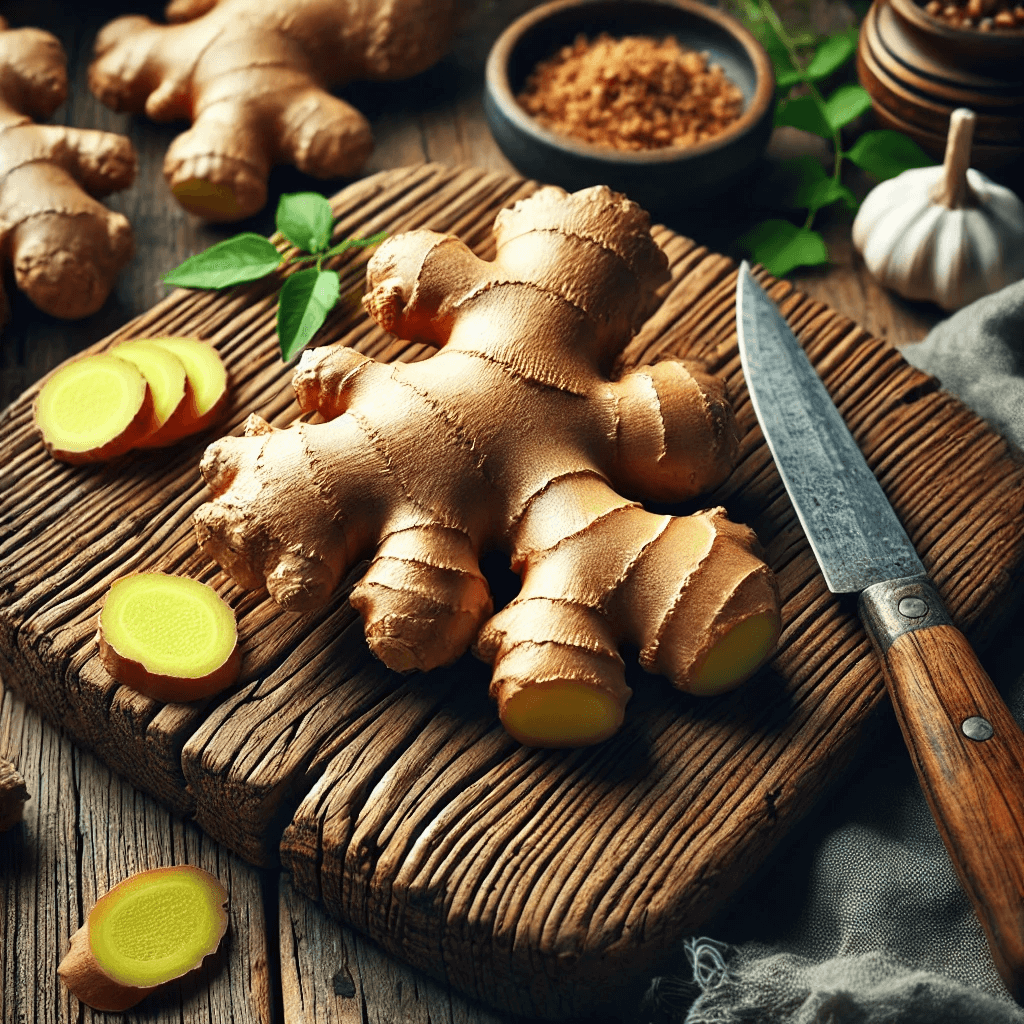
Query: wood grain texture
(332, 975)
(547, 883)
(975, 788)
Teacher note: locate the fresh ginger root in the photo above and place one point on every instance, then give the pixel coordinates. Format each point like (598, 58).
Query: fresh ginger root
(151, 928)
(67, 249)
(13, 795)
(511, 437)
(253, 75)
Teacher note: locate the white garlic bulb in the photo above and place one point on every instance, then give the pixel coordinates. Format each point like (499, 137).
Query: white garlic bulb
(945, 234)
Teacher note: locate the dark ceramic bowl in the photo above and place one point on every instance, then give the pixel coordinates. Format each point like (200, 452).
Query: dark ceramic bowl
(660, 180)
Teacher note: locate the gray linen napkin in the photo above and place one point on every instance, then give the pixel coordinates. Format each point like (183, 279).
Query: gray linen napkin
(864, 921)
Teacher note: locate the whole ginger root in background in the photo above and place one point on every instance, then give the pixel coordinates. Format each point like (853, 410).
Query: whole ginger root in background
(252, 76)
(66, 248)
(512, 437)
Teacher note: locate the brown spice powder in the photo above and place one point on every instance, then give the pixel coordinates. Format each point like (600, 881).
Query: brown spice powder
(631, 94)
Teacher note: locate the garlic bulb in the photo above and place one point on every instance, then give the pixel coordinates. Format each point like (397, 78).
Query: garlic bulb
(947, 234)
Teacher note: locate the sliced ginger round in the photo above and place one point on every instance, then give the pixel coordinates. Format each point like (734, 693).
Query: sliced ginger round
(150, 929)
(207, 378)
(169, 637)
(93, 409)
(165, 374)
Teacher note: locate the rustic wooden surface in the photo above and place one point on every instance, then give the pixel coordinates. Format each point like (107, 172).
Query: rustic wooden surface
(85, 828)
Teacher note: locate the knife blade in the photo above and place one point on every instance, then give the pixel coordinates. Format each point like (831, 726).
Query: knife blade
(966, 747)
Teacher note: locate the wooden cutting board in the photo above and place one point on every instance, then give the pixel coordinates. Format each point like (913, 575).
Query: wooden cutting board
(542, 882)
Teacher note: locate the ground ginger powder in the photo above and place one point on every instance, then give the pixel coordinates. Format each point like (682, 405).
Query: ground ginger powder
(634, 93)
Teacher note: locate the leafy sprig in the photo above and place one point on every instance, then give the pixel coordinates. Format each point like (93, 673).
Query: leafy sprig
(803, 184)
(307, 296)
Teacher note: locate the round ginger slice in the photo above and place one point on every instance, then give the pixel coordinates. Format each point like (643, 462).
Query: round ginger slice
(207, 378)
(165, 374)
(93, 409)
(151, 928)
(169, 637)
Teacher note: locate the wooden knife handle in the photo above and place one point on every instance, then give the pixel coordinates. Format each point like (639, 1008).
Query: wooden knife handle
(968, 752)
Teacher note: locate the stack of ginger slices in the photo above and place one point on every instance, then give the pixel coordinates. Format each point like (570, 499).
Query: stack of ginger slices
(147, 393)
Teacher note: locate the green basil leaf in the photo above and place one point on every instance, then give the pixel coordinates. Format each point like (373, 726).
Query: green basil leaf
(781, 246)
(846, 104)
(245, 257)
(305, 219)
(803, 113)
(306, 299)
(886, 153)
(832, 54)
(828, 192)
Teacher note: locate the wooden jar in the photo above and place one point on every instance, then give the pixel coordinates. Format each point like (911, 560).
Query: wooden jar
(918, 70)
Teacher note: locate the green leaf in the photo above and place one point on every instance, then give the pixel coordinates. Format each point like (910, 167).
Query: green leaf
(305, 219)
(781, 246)
(803, 113)
(886, 153)
(846, 104)
(832, 54)
(828, 192)
(306, 299)
(245, 257)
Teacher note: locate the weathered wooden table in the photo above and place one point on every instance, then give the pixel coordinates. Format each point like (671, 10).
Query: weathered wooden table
(85, 828)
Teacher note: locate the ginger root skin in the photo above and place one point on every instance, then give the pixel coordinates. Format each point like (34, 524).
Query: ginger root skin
(253, 77)
(65, 247)
(13, 794)
(513, 436)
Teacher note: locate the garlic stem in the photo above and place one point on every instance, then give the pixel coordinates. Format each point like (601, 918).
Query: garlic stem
(952, 190)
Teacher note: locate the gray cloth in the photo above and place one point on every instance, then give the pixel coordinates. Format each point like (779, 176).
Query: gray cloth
(863, 920)
(978, 355)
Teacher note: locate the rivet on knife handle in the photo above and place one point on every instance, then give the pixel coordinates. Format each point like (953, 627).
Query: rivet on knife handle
(968, 752)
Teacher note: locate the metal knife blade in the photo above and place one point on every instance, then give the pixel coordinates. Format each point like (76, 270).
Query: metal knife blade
(967, 749)
(849, 522)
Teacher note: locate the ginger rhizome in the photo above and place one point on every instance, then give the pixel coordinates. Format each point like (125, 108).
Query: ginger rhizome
(13, 794)
(512, 436)
(65, 247)
(253, 77)
(169, 637)
(147, 393)
(151, 928)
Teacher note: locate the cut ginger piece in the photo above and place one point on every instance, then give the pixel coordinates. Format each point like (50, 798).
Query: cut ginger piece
(93, 409)
(146, 393)
(168, 637)
(153, 927)
(165, 374)
(207, 379)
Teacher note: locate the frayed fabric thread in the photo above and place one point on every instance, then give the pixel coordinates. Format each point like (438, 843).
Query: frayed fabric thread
(669, 997)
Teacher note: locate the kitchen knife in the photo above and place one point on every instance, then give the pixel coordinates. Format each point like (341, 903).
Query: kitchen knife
(965, 745)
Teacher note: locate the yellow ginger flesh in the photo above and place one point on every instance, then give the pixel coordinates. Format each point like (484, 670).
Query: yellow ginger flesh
(513, 436)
